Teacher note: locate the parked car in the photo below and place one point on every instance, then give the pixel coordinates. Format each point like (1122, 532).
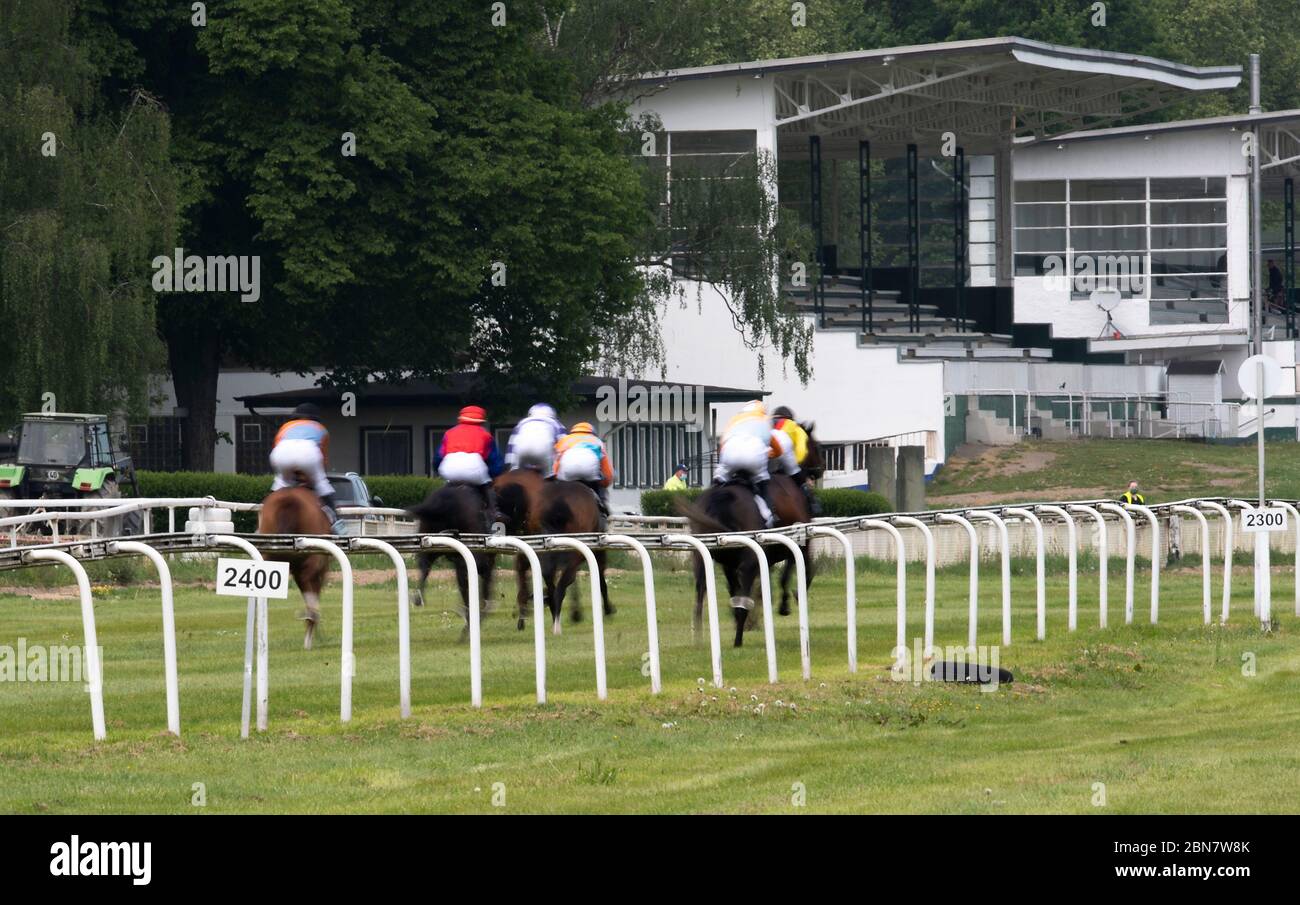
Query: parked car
(350, 490)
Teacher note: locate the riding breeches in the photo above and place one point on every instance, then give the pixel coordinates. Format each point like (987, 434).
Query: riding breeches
(296, 456)
(534, 446)
(743, 453)
(464, 468)
(580, 463)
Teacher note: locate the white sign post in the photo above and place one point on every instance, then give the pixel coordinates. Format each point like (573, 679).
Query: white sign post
(1260, 377)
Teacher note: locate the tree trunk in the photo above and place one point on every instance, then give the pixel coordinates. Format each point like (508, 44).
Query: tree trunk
(194, 355)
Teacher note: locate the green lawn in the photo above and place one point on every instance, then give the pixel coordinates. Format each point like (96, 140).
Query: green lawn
(1163, 716)
(1039, 470)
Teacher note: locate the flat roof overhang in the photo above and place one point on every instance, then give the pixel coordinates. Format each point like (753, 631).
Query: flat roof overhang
(984, 91)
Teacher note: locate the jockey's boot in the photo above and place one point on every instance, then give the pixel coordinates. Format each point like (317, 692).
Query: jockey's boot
(764, 504)
(329, 504)
(602, 496)
(495, 521)
(810, 494)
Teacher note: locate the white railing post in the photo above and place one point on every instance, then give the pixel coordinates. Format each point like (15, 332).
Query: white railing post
(168, 624)
(1155, 558)
(1005, 544)
(651, 611)
(539, 606)
(475, 629)
(928, 644)
(1205, 555)
(255, 625)
(597, 606)
(801, 576)
(1040, 579)
(1261, 574)
(1071, 556)
(1130, 534)
(95, 681)
(348, 667)
(850, 592)
(900, 585)
(711, 595)
(403, 618)
(974, 597)
(765, 592)
(1222, 510)
(1103, 557)
(1295, 525)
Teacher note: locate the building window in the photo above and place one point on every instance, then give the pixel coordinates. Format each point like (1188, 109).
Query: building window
(386, 450)
(254, 438)
(155, 445)
(432, 440)
(644, 455)
(833, 457)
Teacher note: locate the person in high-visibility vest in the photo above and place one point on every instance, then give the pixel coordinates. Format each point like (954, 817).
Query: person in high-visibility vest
(794, 452)
(1131, 495)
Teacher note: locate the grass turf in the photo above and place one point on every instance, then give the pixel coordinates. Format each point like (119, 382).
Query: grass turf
(1165, 717)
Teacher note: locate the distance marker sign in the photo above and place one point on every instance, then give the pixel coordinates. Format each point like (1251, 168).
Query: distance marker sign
(250, 578)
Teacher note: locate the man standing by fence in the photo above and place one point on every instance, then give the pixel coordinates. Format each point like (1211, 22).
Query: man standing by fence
(1132, 495)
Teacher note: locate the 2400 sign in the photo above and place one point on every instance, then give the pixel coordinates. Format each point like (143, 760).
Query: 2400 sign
(250, 578)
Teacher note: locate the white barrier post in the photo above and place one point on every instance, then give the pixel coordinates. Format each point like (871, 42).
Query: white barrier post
(168, 623)
(348, 667)
(927, 645)
(1262, 585)
(475, 630)
(1072, 556)
(95, 681)
(1005, 542)
(1103, 557)
(900, 584)
(765, 592)
(651, 611)
(711, 595)
(1295, 524)
(851, 590)
(1040, 579)
(1130, 534)
(801, 576)
(539, 606)
(597, 606)
(255, 625)
(403, 618)
(1205, 555)
(974, 600)
(1227, 552)
(1155, 558)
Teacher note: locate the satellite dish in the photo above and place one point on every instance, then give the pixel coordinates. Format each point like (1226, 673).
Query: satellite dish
(1107, 298)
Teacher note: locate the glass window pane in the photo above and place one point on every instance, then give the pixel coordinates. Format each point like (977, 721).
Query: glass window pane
(1189, 212)
(1212, 261)
(1053, 190)
(1034, 265)
(1106, 238)
(1189, 287)
(1028, 240)
(1107, 190)
(735, 141)
(1189, 187)
(1189, 236)
(1107, 214)
(1040, 215)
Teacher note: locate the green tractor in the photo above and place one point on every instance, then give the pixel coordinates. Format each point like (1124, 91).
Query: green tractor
(69, 456)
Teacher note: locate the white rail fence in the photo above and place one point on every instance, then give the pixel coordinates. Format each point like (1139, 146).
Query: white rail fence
(846, 536)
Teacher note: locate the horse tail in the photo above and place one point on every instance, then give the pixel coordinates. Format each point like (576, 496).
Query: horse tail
(701, 520)
(286, 516)
(512, 501)
(438, 509)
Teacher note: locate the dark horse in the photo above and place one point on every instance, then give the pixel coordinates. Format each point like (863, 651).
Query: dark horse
(296, 510)
(460, 509)
(518, 492)
(731, 508)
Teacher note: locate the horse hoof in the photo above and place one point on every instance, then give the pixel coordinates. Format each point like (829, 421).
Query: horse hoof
(575, 615)
(418, 599)
(785, 609)
(520, 624)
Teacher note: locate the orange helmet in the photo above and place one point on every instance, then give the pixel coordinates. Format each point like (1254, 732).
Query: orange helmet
(582, 427)
(472, 414)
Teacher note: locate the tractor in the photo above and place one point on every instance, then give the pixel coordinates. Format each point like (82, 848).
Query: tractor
(69, 456)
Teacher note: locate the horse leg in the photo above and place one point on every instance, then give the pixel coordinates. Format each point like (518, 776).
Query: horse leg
(697, 622)
(425, 561)
(485, 562)
(309, 582)
(550, 567)
(462, 583)
(567, 577)
(785, 586)
(604, 588)
(523, 572)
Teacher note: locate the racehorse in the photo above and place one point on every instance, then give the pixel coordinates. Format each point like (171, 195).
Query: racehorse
(296, 510)
(517, 493)
(568, 507)
(731, 507)
(457, 508)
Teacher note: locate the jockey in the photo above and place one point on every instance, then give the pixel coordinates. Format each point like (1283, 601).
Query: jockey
(301, 450)
(532, 444)
(580, 456)
(746, 446)
(794, 452)
(468, 455)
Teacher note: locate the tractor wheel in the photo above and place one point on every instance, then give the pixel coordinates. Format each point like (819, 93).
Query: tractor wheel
(109, 527)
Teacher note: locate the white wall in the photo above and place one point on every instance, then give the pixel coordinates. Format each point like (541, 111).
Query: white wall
(1199, 152)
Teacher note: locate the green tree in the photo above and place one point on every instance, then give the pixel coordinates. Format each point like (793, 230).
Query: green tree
(86, 199)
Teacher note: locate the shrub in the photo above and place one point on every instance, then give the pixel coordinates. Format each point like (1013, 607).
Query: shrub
(401, 491)
(837, 502)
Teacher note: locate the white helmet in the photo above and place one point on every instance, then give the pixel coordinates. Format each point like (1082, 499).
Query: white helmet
(542, 410)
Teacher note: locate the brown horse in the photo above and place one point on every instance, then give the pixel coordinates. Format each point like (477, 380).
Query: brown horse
(296, 510)
(459, 509)
(568, 507)
(518, 492)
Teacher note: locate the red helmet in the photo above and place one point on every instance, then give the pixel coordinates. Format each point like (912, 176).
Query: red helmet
(472, 414)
